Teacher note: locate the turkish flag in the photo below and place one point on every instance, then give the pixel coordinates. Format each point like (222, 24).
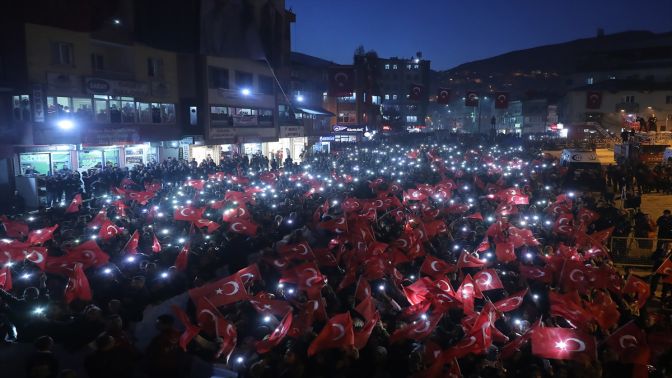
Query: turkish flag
(418, 291)
(243, 226)
(182, 258)
(414, 195)
(14, 229)
(5, 278)
(222, 292)
(435, 268)
(416, 92)
(298, 251)
(575, 276)
(350, 205)
(75, 204)
(636, 285)
(89, 254)
(362, 336)
(593, 100)
(535, 273)
(212, 322)
(279, 333)
(132, 244)
(467, 260)
(511, 303)
(42, 235)
(443, 97)
(665, 268)
(366, 308)
(190, 330)
(325, 258)
(264, 305)
(188, 214)
(362, 289)
(338, 225)
(471, 99)
(487, 280)
(466, 294)
(501, 100)
(156, 246)
(196, 184)
(140, 197)
(77, 286)
(98, 219)
(337, 333)
(249, 274)
(435, 227)
(108, 230)
(482, 329)
(505, 252)
(153, 186)
(211, 226)
(418, 330)
(341, 81)
(570, 307)
(563, 344)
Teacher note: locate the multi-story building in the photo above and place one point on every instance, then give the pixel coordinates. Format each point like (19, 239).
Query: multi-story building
(81, 99)
(396, 77)
(616, 104)
(527, 117)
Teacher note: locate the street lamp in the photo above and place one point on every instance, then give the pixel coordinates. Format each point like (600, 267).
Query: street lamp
(299, 98)
(245, 92)
(65, 124)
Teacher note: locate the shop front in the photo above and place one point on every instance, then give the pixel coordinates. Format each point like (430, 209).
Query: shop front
(348, 134)
(291, 143)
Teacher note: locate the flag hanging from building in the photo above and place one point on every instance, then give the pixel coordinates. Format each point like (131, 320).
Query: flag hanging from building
(416, 92)
(341, 81)
(593, 100)
(443, 97)
(501, 100)
(471, 99)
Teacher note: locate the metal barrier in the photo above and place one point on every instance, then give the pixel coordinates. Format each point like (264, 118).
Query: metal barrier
(629, 249)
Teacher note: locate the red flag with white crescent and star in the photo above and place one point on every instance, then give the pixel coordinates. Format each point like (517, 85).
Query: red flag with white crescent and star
(5, 278)
(275, 338)
(416, 92)
(443, 97)
(471, 99)
(337, 333)
(77, 286)
(501, 100)
(563, 344)
(341, 81)
(222, 292)
(593, 100)
(75, 204)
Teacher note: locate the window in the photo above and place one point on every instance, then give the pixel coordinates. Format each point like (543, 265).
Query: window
(243, 79)
(218, 77)
(387, 96)
(375, 100)
(128, 111)
(220, 115)
(266, 117)
(167, 113)
(612, 77)
(82, 109)
(59, 106)
(144, 112)
(416, 66)
(668, 99)
(411, 118)
(348, 99)
(408, 66)
(347, 117)
(61, 53)
(155, 67)
(590, 80)
(629, 99)
(21, 107)
(97, 62)
(394, 97)
(387, 66)
(394, 66)
(266, 84)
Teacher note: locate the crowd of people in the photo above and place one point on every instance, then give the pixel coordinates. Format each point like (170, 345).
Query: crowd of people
(421, 257)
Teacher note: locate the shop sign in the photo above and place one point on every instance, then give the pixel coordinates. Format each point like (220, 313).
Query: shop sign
(102, 137)
(221, 133)
(327, 138)
(95, 85)
(291, 132)
(342, 128)
(38, 104)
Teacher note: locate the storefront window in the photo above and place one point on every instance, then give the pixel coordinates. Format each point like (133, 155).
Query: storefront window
(21, 107)
(115, 110)
(266, 117)
(127, 110)
(134, 156)
(38, 163)
(60, 161)
(111, 157)
(82, 108)
(156, 113)
(89, 159)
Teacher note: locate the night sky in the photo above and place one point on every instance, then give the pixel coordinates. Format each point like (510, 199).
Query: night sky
(451, 32)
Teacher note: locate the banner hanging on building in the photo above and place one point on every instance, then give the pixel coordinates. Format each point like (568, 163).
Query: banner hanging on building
(471, 99)
(501, 100)
(443, 97)
(341, 81)
(593, 100)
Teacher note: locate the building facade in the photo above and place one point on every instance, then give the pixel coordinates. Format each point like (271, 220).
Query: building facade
(397, 76)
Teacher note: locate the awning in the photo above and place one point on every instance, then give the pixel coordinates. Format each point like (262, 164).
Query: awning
(315, 111)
